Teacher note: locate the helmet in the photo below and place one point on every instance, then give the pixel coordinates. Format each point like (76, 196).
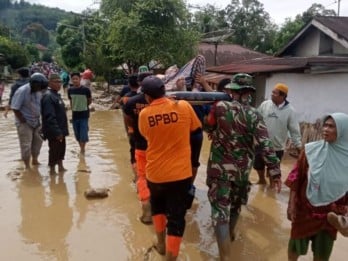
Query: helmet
(153, 86)
(241, 81)
(38, 81)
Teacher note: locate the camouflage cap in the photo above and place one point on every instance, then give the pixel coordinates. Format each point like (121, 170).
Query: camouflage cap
(241, 81)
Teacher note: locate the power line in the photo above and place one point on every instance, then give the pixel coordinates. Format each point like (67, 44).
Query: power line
(338, 6)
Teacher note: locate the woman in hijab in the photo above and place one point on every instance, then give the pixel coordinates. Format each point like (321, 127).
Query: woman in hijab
(318, 185)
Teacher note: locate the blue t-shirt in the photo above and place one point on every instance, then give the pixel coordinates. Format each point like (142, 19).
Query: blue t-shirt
(79, 97)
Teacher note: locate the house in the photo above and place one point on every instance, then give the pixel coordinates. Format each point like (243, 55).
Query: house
(314, 64)
(217, 54)
(222, 53)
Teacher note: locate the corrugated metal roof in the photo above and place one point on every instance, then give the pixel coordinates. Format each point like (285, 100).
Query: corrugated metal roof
(276, 64)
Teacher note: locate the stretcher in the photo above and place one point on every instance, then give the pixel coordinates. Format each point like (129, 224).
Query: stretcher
(199, 98)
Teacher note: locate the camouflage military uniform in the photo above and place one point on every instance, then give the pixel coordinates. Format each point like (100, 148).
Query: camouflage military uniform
(238, 129)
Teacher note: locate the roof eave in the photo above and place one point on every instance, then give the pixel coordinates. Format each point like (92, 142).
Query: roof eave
(330, 33)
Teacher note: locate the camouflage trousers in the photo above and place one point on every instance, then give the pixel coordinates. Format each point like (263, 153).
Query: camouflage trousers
(226, 199)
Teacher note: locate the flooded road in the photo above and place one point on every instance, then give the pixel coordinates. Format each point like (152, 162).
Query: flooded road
(45, 217)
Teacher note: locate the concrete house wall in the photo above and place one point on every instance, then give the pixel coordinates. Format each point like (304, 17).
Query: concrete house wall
(309, 46)
(313, 95)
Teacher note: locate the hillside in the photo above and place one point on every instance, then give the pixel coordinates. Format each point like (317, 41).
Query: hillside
(27, 22)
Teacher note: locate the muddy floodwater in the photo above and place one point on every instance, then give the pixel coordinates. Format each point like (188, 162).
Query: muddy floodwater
(47, 217)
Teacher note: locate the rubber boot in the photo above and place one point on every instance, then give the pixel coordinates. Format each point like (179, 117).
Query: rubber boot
(146, 217)
(172, 247)
(222, 232)
(233, 223)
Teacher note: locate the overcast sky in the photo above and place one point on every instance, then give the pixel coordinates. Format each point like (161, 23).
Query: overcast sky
(278, 9)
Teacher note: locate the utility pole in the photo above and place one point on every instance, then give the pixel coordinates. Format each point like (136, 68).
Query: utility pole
(338, 7)
(83, 37)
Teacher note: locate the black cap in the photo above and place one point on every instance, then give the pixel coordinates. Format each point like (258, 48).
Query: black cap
(133, 80)
(153, 86)
(143, 75)
(23, 72)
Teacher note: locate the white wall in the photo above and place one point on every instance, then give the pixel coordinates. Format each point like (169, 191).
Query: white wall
(309, 46)
(339, 49)
(313, 96)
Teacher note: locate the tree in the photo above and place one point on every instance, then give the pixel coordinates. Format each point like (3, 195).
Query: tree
(70, 37)
(315, 10)
(98, 56)
(15, 54)
(4, 30)
(251, 25)
(291, 27)
(152, 30)
(33, 52)
(209, 18)
(47, 56)
(110, 7)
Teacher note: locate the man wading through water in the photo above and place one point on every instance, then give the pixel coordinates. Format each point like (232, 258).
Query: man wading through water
(166, 125)
(26, 104)
(235, 129)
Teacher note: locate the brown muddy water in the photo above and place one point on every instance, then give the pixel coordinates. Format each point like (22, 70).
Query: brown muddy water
(45, 217)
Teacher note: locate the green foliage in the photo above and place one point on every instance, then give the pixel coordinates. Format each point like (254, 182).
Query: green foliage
(209, 19)
(33, 52)
(4, 30)
(70, 37)
(136, 32)
(152, 30)
(97, 54)
(251, 25)
(21, 16)
(291, 27)
(82, 43)
(315, 10)
(110, 7)
(47, 56)
(15, 55)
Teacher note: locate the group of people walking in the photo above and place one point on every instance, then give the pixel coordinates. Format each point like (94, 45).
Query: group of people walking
(40, 114)
(242, 137)
(165, 136)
